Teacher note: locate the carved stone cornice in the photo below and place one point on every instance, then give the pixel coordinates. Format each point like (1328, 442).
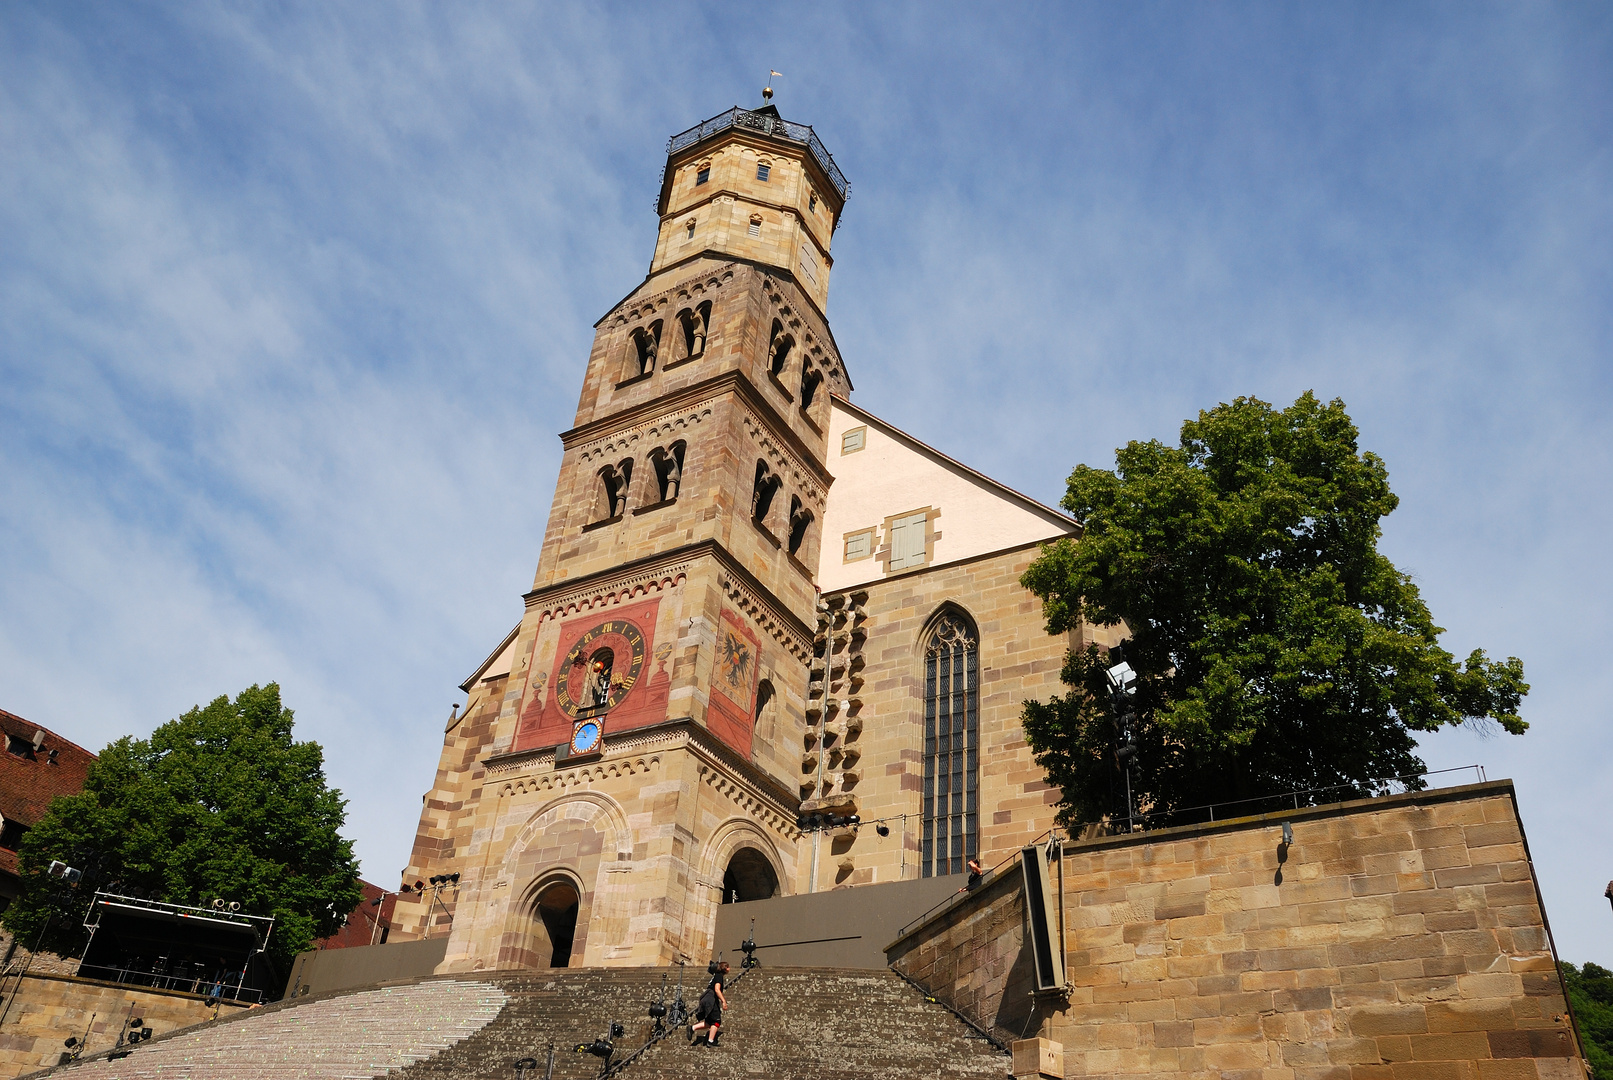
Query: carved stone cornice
(665, 570)
(617, 585)
(639, 750)
(692, 397)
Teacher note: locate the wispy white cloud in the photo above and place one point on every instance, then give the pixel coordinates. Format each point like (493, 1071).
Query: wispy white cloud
(293, 300)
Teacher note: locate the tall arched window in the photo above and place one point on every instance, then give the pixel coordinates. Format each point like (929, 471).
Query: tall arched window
(951, 745)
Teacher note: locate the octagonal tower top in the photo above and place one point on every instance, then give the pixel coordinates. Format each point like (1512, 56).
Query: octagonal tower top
(749, 184)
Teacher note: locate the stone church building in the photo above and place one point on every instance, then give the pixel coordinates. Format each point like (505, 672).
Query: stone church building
(759, 612)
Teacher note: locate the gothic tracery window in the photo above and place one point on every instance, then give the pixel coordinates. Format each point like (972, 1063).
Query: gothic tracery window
(951, 746)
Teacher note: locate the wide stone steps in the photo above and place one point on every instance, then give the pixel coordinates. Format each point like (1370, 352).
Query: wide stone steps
(782, 1024)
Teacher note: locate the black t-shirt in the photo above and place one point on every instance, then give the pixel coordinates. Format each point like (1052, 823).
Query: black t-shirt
(716, 982)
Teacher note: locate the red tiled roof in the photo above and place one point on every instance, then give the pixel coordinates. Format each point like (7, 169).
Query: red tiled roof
(360, 928)
(29, 781)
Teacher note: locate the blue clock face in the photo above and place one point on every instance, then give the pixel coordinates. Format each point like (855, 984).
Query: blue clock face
(585, 738)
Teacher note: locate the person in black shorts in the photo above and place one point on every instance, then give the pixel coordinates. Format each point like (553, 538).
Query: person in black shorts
(708, 1013)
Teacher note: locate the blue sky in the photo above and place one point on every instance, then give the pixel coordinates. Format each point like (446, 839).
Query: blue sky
(295, 298)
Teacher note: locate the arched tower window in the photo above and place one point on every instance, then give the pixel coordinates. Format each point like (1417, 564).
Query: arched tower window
(646, 343)
(694, 322)
(800, 519)
(767, 486)
(778, 349)
(951, 745)
(811, 379)
(615, 479)
(668, 465)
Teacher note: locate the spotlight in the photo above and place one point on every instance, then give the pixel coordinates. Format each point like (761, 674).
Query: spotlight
(882, 829)
(1288, 833)
(420, 886)
(234, 906)
(218, 904)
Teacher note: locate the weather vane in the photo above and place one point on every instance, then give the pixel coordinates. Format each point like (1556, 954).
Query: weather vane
(767, 91)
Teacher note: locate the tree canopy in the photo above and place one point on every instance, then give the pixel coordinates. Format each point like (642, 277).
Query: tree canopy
(218, 803)
(1590, 990)
(1276, 648)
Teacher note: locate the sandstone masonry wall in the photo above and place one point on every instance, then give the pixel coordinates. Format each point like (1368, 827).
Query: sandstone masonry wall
(47, 1009)
(1399, 938)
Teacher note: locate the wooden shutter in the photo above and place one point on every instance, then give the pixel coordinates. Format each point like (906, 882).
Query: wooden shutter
(907, 541)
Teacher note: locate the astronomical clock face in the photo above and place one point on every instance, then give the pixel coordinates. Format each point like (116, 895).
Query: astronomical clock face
(616, 644)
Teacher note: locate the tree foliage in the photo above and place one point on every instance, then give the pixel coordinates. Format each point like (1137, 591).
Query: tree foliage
(1590, 991)
(220, 803)
(1276, 648)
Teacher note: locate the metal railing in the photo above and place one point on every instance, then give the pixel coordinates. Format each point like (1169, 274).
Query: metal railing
(179, 982)
(768, 124)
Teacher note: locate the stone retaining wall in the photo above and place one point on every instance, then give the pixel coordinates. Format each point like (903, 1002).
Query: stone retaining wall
(1399, 938)
(46, 1009)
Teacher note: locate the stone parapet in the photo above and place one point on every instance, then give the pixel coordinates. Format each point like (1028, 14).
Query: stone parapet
(45, 1010)
(1394, 938)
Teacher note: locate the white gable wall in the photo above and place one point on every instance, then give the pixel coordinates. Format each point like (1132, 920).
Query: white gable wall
(893, 476)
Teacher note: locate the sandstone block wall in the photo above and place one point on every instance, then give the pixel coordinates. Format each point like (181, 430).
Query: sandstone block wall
(1396, 939)
(47, 1009)
(1018, 660)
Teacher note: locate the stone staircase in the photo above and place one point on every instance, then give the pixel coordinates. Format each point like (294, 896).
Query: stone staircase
(782, 1024)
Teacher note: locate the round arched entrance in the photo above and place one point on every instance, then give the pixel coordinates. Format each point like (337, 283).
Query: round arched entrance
(556, 912)
(749, 876)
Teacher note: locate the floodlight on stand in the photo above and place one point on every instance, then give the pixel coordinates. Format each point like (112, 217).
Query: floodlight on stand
(1122, 679)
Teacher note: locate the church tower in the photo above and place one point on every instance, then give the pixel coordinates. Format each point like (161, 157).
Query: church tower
(632, 751)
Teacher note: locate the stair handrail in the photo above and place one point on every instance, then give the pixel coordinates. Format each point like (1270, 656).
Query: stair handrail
(984, 1033)
(679, 1011)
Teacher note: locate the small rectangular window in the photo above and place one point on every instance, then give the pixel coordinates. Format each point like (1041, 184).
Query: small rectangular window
(812, 203)
(690, 229)
(762, 171)
(702, 176)
(859, 545)
(907, 540)
(756, 228)
(853, 440)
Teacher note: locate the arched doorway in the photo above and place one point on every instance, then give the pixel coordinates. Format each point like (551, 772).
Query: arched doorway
(557, 912)
(749, 877)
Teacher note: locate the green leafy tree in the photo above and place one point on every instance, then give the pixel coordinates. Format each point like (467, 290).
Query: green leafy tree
(1590, 990)
(1276, 648)
(218, 803)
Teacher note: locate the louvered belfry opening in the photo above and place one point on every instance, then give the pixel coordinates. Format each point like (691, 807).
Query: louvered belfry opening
(951, 746)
